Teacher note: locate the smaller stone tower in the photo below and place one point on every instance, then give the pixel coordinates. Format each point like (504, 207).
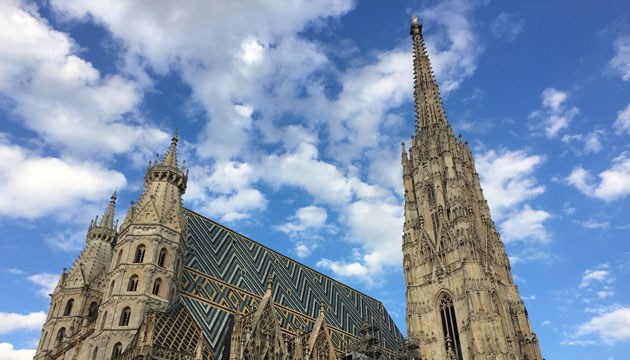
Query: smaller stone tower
(147, 260)
(76, 300)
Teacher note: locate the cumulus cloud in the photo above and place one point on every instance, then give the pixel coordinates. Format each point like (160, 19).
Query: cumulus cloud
(62, 97)
(9, 352)
(507, 26)
(507, 178)
(554, 116)
(620, 63)
(45, 282)
(454, 48)
(622, 123)
(25, 194)
(589, 276)
(610, 327)
(613, 184)
(10, 322)
(591, 141)
(526, 224)
(307, 217)
(377, 226)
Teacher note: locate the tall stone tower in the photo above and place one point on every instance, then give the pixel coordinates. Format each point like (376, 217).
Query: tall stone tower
(147, 259)
(461, 299)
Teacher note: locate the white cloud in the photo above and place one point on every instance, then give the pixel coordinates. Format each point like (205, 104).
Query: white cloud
(622, 123)
(507, 179)
(66, 240)
(620, 63)
(33, 186)
(8, 352)
(554, 117)
(10, 322)
(62, 97)
(526, 224)
(377, 227)
(591, 275)
(454, 48)
(594, 224)
(46, 283)
(610, 327)
(592, 142)
(507, 26)
(614, 182)
(226, 191)
(305, 218)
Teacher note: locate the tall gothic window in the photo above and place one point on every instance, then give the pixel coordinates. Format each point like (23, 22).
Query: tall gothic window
(139, 257)
(124, 316)
(449, 328)
(93, 311)
(60, 335)
(117, 350)
(162, 258)
(156, 286)
(133, 283)
(68, 310)
(95, 353)
(111, 287)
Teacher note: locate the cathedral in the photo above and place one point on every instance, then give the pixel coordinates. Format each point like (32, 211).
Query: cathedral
(169, 283)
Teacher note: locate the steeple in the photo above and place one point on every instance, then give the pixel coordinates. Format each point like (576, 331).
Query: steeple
(108, 218)
(455, 265)
(170, 159)
(429, 109)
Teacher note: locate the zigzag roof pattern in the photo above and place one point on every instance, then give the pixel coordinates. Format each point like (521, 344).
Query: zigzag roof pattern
(227, 272)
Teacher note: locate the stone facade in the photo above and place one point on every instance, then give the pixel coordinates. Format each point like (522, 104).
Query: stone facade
(171, 284)
(461, 299)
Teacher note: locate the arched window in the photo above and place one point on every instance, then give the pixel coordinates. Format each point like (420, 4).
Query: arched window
(156, 286)
(60, 335)
(117, 350)
(449, 328)
(93, 311)
(68, 310)
(95, 353)
(133, 283)
(139, 257)
(162, 258)
(124, 316)
(104, 319)
(111, 287)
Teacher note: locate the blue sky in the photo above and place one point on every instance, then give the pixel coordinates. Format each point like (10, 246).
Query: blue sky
(291, 117)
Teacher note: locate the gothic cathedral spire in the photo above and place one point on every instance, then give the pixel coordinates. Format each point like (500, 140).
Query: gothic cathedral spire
(456, 269)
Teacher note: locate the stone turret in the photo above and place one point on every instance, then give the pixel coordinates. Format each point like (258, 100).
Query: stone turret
(77, 297)
(148, 258)
(456, 269)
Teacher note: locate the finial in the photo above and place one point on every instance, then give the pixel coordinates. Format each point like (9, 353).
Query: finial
(322, 306)
(175, 136)
(114, 196)
(269, 283)
(414, 20)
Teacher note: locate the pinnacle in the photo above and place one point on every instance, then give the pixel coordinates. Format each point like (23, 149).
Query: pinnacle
(170, 159)
(108, 218)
